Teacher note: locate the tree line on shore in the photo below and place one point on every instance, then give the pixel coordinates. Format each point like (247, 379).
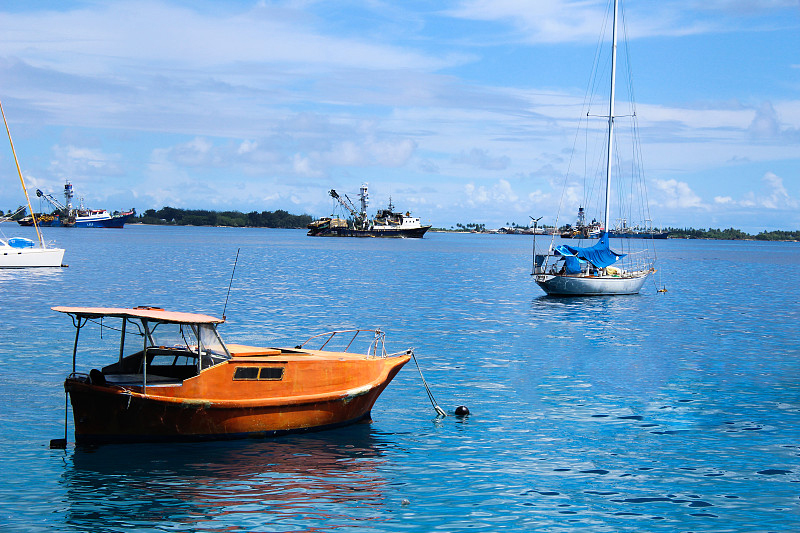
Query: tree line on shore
(732, 234)
(203, 217)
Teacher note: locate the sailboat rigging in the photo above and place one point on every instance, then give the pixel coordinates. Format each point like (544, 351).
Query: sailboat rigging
(567, 270)
(20, 252)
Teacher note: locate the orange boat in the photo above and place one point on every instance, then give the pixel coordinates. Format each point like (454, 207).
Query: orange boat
(182, 382)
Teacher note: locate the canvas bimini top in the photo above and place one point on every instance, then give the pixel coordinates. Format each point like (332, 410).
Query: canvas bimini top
(154, 314)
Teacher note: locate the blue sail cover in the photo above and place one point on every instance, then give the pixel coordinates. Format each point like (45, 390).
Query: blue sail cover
(599, 255)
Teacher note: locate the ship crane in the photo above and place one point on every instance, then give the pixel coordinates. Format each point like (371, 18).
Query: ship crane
(51, 200)
(345, 202)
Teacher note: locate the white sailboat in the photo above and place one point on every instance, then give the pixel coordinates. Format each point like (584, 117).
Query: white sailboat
(21, 252)
(567, 270)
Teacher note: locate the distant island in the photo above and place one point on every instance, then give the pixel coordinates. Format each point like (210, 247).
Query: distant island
(202, 217)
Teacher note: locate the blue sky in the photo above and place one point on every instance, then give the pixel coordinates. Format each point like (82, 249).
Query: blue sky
(461, 111)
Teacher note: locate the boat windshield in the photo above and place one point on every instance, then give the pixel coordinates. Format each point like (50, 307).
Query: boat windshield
(174, 335)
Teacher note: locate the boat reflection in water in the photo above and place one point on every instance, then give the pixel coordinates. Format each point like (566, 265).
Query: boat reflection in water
(269, 485)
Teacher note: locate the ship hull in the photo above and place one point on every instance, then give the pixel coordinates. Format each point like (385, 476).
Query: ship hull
(30, 257)
(399, 233)
(625, 235)
(562, 285)
(105, 413)
(112, 222)
(57, 221)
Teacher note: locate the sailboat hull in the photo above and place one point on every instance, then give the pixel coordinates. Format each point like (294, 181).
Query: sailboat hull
(561, 285)
(11, 257)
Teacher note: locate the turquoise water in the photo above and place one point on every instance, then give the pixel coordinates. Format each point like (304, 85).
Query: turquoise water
(657, 412)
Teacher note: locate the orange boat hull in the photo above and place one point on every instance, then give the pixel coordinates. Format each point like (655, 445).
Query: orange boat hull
(313, 395)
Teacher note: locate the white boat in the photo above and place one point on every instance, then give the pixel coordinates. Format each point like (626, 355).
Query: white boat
(567, 270)
(21, 252)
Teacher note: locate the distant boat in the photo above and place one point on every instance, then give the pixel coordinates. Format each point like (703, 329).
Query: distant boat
(179, 381)
(623, 231)
(21, 252)
(566, 270)
(386, 223)
(582, 230)
(64, 215)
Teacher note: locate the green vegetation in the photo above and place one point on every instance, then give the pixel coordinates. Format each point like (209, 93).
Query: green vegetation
(732, 234)
(471, 227)
(14, 214)
(203, 217)
(778, 236)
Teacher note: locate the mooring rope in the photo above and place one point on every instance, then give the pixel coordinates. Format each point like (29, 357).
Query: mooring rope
(439, 410)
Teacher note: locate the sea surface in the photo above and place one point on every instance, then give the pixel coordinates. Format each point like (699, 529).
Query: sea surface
(675, 411)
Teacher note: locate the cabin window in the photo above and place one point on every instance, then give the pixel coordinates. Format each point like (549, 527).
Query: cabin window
(246, 373)
(254, 373)
(274, 373)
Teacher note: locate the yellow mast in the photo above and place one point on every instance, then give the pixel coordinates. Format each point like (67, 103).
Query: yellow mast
(22, 181)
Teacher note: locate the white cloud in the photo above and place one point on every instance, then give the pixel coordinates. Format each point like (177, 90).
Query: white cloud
(766, 124)
(499, 193)
(76, 162)
(773, 196)
(777, 196)
(247, 147)
(160, 34)
(481, 159)
(303, 166)
(677, 194)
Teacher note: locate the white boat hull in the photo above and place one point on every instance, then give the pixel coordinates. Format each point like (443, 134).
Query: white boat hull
(11, 257)
(564, 285)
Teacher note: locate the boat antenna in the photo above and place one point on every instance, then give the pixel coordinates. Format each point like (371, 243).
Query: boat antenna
(231, 283)
(22, 181)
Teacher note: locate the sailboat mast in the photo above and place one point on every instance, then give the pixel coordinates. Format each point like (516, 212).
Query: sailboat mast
(611, 115)
(22, 181)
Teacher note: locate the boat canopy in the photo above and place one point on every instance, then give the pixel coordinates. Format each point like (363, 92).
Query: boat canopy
(21, 242)
(143, 313)
(599, 255)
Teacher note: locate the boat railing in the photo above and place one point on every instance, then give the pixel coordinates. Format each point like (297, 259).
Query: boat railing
(633, 262)
(376, 347)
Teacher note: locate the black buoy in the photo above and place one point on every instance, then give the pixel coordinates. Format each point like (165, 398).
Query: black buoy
(462, 410)
(58, 444)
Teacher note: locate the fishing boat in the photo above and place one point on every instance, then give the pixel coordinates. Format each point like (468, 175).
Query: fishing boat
(177, 380)
(22, 252)
(567, 270)
(386, 223)
(64, 215)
